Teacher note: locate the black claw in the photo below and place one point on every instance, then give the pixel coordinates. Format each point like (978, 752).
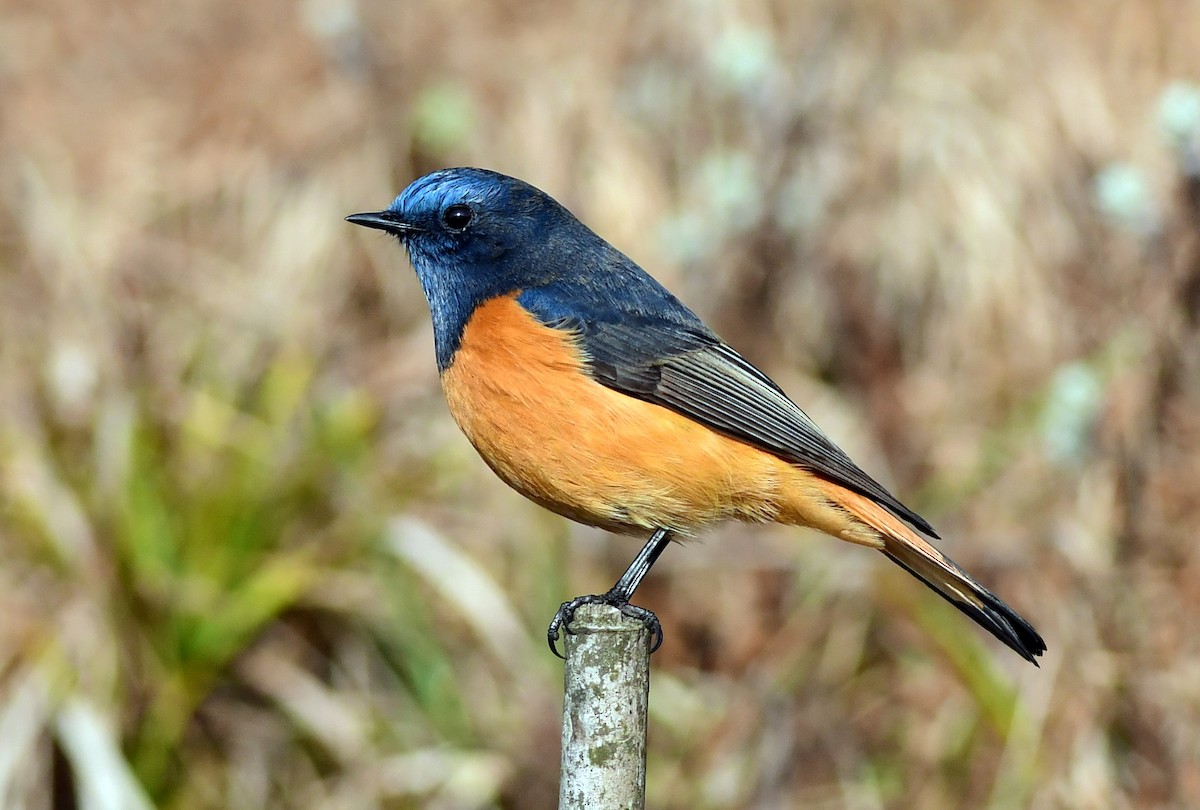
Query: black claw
(562, 619)
(647, 618)
(566, 612)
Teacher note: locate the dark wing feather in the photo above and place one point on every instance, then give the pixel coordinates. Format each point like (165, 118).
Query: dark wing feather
(693, 373)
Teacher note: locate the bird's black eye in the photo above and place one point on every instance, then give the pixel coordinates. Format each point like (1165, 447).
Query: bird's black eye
(457, 217)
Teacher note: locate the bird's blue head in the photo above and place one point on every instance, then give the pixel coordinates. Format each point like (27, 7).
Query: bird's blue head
(473, 234)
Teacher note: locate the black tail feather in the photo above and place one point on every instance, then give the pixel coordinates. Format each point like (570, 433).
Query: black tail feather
(959, 589)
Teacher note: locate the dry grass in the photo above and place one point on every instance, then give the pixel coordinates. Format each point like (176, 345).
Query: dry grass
(249, 562)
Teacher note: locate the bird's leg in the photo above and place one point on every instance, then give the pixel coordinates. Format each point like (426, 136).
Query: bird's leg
(619, 595)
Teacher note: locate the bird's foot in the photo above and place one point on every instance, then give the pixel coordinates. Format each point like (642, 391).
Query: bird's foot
(566, 612)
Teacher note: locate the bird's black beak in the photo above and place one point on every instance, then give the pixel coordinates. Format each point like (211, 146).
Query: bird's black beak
(384, 221)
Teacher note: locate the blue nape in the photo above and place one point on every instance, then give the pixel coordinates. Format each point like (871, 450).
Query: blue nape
(516, 240)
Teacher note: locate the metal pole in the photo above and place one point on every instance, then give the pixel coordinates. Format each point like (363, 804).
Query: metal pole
(606, 692)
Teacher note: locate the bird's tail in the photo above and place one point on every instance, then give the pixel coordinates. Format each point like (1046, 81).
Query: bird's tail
(910, 551)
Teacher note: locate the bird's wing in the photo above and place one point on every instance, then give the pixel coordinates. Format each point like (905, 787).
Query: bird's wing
(691, 371)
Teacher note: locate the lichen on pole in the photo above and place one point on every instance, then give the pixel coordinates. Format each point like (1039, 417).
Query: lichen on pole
(606, 693)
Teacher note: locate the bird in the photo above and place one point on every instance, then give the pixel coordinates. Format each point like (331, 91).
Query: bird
(590, 389)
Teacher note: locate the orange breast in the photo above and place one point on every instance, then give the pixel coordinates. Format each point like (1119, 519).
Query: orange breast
(520, 392)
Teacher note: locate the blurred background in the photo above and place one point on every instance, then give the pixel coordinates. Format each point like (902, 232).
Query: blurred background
(247, 560)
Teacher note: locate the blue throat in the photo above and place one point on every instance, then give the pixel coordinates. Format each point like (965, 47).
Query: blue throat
(522, 242)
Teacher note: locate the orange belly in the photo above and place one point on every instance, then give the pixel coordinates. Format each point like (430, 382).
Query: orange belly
(520, 392)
